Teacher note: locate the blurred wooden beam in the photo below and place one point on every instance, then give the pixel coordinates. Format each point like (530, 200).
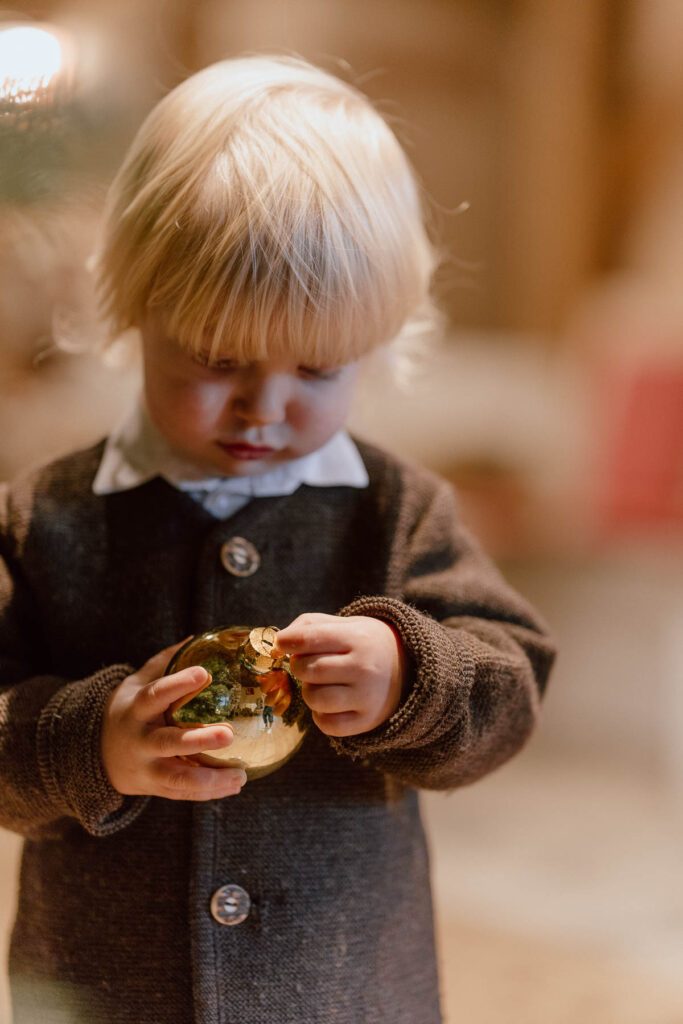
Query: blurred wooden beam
(553, 158)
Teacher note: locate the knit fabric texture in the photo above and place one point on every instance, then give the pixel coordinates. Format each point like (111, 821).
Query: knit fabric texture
(114, 922)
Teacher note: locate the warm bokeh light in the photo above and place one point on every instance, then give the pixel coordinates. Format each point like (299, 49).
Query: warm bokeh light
(29, 59)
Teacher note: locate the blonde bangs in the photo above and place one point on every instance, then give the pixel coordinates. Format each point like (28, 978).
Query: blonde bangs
(285, 218)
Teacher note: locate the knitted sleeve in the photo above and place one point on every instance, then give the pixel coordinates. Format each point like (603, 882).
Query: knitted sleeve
(50, 761)
(478, 656)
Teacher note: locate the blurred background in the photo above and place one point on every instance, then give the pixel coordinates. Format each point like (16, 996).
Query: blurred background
(548, 135)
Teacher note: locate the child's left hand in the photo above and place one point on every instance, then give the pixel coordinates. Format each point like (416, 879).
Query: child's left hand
(352, 669)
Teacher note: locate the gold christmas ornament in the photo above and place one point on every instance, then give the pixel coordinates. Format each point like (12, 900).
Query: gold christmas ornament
(249, 690)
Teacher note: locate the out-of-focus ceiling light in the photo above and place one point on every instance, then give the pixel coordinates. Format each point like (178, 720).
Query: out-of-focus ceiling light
(31, 59)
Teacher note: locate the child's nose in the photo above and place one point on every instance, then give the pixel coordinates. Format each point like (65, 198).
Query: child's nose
(263, 400)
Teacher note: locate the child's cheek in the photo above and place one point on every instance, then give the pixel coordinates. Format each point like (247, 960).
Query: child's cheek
(316, 421)
(325, 409)
(182, 407)
(203, 400)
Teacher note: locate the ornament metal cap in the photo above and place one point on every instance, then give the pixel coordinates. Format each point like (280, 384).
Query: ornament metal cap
(257, 651)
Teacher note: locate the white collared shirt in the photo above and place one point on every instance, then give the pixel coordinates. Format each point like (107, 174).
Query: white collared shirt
(135, 452)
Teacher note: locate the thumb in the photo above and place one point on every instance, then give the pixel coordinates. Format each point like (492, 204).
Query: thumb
(157, 664)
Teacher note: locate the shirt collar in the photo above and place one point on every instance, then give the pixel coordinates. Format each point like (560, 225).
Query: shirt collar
(136, 452)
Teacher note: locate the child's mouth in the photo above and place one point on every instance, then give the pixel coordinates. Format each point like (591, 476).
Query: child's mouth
(241, 450)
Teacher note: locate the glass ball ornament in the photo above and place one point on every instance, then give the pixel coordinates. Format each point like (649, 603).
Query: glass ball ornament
(249, 690)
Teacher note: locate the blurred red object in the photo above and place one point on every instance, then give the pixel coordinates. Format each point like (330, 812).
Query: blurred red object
(640, 477)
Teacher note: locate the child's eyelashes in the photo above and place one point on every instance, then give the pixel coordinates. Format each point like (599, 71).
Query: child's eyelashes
(317, 373)
(312, 373)
(224, 365)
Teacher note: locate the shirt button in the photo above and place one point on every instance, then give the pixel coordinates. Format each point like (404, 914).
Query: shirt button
(230, 904)
(240, 557)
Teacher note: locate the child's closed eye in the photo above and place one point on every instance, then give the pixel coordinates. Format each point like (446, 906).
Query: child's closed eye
(220, 365)
(227, 365)
(319, 373)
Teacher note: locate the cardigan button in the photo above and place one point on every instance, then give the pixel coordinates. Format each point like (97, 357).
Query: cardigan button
(239, 557)
(230, 904)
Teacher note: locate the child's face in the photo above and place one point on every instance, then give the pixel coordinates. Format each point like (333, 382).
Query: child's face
(241, 420)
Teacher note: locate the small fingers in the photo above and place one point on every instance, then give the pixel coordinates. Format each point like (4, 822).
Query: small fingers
(177, 780)
(156, 665)
(319, 668)
(173, 741)
(346, 723)
(314, 633)
(331, 699)
(152, 700)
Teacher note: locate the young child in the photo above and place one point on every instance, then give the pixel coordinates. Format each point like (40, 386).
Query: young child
(264, 235)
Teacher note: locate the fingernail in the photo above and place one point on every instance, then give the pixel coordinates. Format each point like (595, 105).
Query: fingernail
(199, 674)
(283, 648)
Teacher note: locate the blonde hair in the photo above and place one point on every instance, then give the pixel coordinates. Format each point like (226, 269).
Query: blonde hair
(265, 206)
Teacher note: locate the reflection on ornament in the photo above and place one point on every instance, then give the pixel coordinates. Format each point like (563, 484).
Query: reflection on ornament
(251, 691)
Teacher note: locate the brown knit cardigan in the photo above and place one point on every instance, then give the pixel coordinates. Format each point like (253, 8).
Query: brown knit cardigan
(113, 922)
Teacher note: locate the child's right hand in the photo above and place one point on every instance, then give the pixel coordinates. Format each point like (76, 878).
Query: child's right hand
(142, 755)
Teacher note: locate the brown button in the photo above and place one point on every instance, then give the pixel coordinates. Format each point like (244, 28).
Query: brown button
(230, 905)
(239, 557)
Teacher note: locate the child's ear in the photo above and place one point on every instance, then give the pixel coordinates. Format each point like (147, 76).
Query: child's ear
(124, 351)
